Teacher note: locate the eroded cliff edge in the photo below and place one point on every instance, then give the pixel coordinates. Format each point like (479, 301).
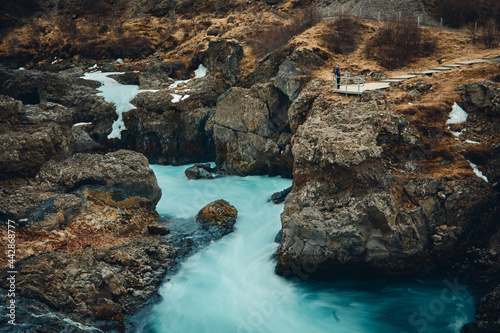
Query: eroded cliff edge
(388, 189)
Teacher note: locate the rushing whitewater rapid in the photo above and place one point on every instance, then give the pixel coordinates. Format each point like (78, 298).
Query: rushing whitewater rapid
(230, 286)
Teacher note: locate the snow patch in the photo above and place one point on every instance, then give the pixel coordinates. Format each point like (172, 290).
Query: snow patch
(470, 141)
(176, 94)
(457, 115)
(81, 124)
(119, 94)
(200, 72)
(457, 134)
(478, 172)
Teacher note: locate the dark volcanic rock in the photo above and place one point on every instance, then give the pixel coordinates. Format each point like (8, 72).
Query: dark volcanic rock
(200, 171)
(25, 148)
(353, 207)
(280, 197)
(301, 106)
(251, 132)
(223, 56)
(119, 178)
(96, 285)
(218, 218)
(289, 79)
(484, 95)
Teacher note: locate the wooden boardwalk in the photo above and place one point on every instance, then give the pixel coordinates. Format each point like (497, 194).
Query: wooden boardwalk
(358, 89)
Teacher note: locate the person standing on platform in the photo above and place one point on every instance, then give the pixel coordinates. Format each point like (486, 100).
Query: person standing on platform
(336, 71)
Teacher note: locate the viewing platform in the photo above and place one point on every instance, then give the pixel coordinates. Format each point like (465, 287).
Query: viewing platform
(355, 85)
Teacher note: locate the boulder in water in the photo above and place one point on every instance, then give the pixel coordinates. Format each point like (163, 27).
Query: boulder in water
(218, 218)
(280, 197)
(200, 171)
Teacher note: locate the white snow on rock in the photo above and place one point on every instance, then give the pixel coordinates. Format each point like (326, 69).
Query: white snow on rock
(470, 141)
(200, 72)
(457, 115)
(81, 124)
(457, 134)
(478, 172)
(176, 94)
(119, 94)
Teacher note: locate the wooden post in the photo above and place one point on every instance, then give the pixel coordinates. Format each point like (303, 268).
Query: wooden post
(379, 16)
(441, 23)
(399, 16)
(360, 12)
(418, 21)
(475, 29)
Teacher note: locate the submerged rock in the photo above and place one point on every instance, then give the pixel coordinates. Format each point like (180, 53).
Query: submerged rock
(280, 197)
(200, 171)
(218, 218)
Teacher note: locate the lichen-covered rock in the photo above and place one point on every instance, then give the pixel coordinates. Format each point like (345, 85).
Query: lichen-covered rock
(483, 95)
(353, 206)
(25, 148)
(94, 284)
(218, 218)
(122, 178)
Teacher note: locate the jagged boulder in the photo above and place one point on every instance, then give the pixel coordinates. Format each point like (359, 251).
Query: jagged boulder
(223, 56)
(218, 218)
(251, 133)
(289, 79)
(308, 58)
(483, 95)
(24, 148)
(302, 105)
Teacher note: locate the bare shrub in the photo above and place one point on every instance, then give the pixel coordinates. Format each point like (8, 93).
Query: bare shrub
(398, 43)
(459, 13)
(274, 38)
(489, 35)
(342, 34)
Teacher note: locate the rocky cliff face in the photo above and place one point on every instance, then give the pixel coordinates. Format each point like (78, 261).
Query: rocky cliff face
(251, 127)
(366, 194)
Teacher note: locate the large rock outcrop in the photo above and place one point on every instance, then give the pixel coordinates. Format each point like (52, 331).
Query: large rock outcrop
(250, 131)
(173, 133)
(368, 194)
(96, 286)
(223, 56)
(121, 178)
(31, 135)
(66, 89)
